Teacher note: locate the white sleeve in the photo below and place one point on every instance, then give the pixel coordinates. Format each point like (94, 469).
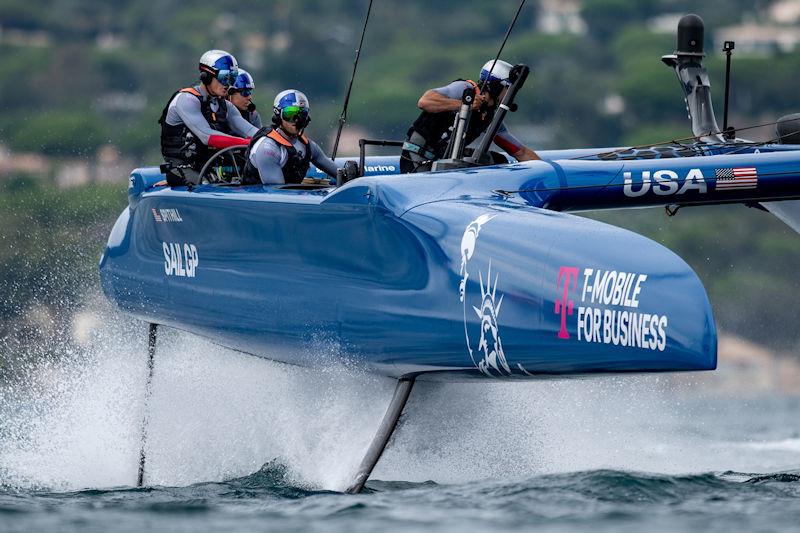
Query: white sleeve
(268, 158)
(237, 122)
(322, 161)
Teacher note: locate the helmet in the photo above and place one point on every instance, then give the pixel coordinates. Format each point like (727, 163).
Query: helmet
(244, 82)
(292, 106)
(496, 76)
(496, 71)
(218, 64)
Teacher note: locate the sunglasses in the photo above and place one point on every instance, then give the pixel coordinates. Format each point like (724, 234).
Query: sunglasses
(244, 92)
(294, 113)
(227, 77)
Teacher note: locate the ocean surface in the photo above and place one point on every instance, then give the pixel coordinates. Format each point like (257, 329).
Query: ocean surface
(241, 444)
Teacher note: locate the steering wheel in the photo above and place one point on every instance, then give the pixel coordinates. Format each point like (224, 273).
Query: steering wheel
(225, 166)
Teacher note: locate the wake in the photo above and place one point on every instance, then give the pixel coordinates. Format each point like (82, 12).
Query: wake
(73, 421)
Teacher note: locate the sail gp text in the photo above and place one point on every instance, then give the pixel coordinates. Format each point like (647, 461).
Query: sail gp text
(180, 260)
(621, 325)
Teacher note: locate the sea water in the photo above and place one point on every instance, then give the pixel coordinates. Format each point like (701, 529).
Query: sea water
(237, 443)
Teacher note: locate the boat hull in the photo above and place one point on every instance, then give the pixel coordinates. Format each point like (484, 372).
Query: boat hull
(373, 272)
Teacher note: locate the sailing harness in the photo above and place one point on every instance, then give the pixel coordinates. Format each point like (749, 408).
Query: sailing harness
(429, 135)
(179, 144)
(296, 166)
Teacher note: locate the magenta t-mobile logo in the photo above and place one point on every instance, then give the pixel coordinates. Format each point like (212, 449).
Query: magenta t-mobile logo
(564, 305)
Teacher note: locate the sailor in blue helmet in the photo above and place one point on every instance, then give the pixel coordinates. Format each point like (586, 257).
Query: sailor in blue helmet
(198, 120)
(241, 95)
(282, 153)
(428, 137)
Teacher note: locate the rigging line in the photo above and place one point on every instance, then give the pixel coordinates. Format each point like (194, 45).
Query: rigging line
(503, 44)
(609, 184)
(343, 116)
(680, 140)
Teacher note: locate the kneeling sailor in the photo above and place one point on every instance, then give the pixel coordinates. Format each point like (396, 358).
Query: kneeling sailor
(430, 134)
(195, 122)
(282, 154)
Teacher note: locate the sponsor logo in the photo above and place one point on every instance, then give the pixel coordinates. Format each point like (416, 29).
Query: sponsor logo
(166, 215)
(609, 309)
(487, 355)
(564, 305)
(180, 259)
(663, 183)
(380, 168)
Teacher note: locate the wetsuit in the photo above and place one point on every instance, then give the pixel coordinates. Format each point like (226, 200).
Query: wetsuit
(194, 112)
(429, 135)
(278, 159)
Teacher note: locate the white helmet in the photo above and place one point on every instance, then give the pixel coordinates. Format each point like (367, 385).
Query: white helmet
(498, 71)
(218, 64)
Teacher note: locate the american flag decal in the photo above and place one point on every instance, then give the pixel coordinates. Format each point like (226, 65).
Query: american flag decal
(156, 215)
(736, 178)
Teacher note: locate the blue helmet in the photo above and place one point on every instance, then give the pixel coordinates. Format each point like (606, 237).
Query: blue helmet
(291, 105)
(218, 64)
(244, 81)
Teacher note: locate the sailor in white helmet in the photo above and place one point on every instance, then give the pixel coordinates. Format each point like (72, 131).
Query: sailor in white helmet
(198, 120)
(282, 153)
(429, 136)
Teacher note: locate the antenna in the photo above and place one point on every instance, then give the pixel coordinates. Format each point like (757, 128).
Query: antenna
(503, 44)
(728, 49)
(343, 117)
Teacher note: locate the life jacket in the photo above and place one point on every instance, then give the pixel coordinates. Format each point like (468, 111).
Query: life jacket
(248, 113)
(176, 143)
(296, 166)
(437, 128)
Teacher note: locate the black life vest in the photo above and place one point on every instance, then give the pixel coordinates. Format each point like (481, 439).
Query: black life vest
(176, 143)
(296, 166)
(437, 128)
(248, 113)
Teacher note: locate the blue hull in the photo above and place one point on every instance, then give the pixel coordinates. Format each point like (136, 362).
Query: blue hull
(431, 274)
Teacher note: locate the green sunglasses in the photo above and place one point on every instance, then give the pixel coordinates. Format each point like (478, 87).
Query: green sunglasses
(294, 113)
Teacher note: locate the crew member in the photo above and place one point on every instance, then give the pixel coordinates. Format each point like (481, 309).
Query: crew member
(282, 154)
(429, 136)
(241, 95)
(196, 121)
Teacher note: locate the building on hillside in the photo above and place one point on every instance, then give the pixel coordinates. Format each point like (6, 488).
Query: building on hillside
(665, 23)
(758, 39)
(561, 16)
(120, 102)
(22, 163)
(785, 12)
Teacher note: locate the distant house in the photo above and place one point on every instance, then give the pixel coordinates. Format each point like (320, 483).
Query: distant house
(561, 16)
(759, 39)
(665, 23)
(784, 12)
(12, 163)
